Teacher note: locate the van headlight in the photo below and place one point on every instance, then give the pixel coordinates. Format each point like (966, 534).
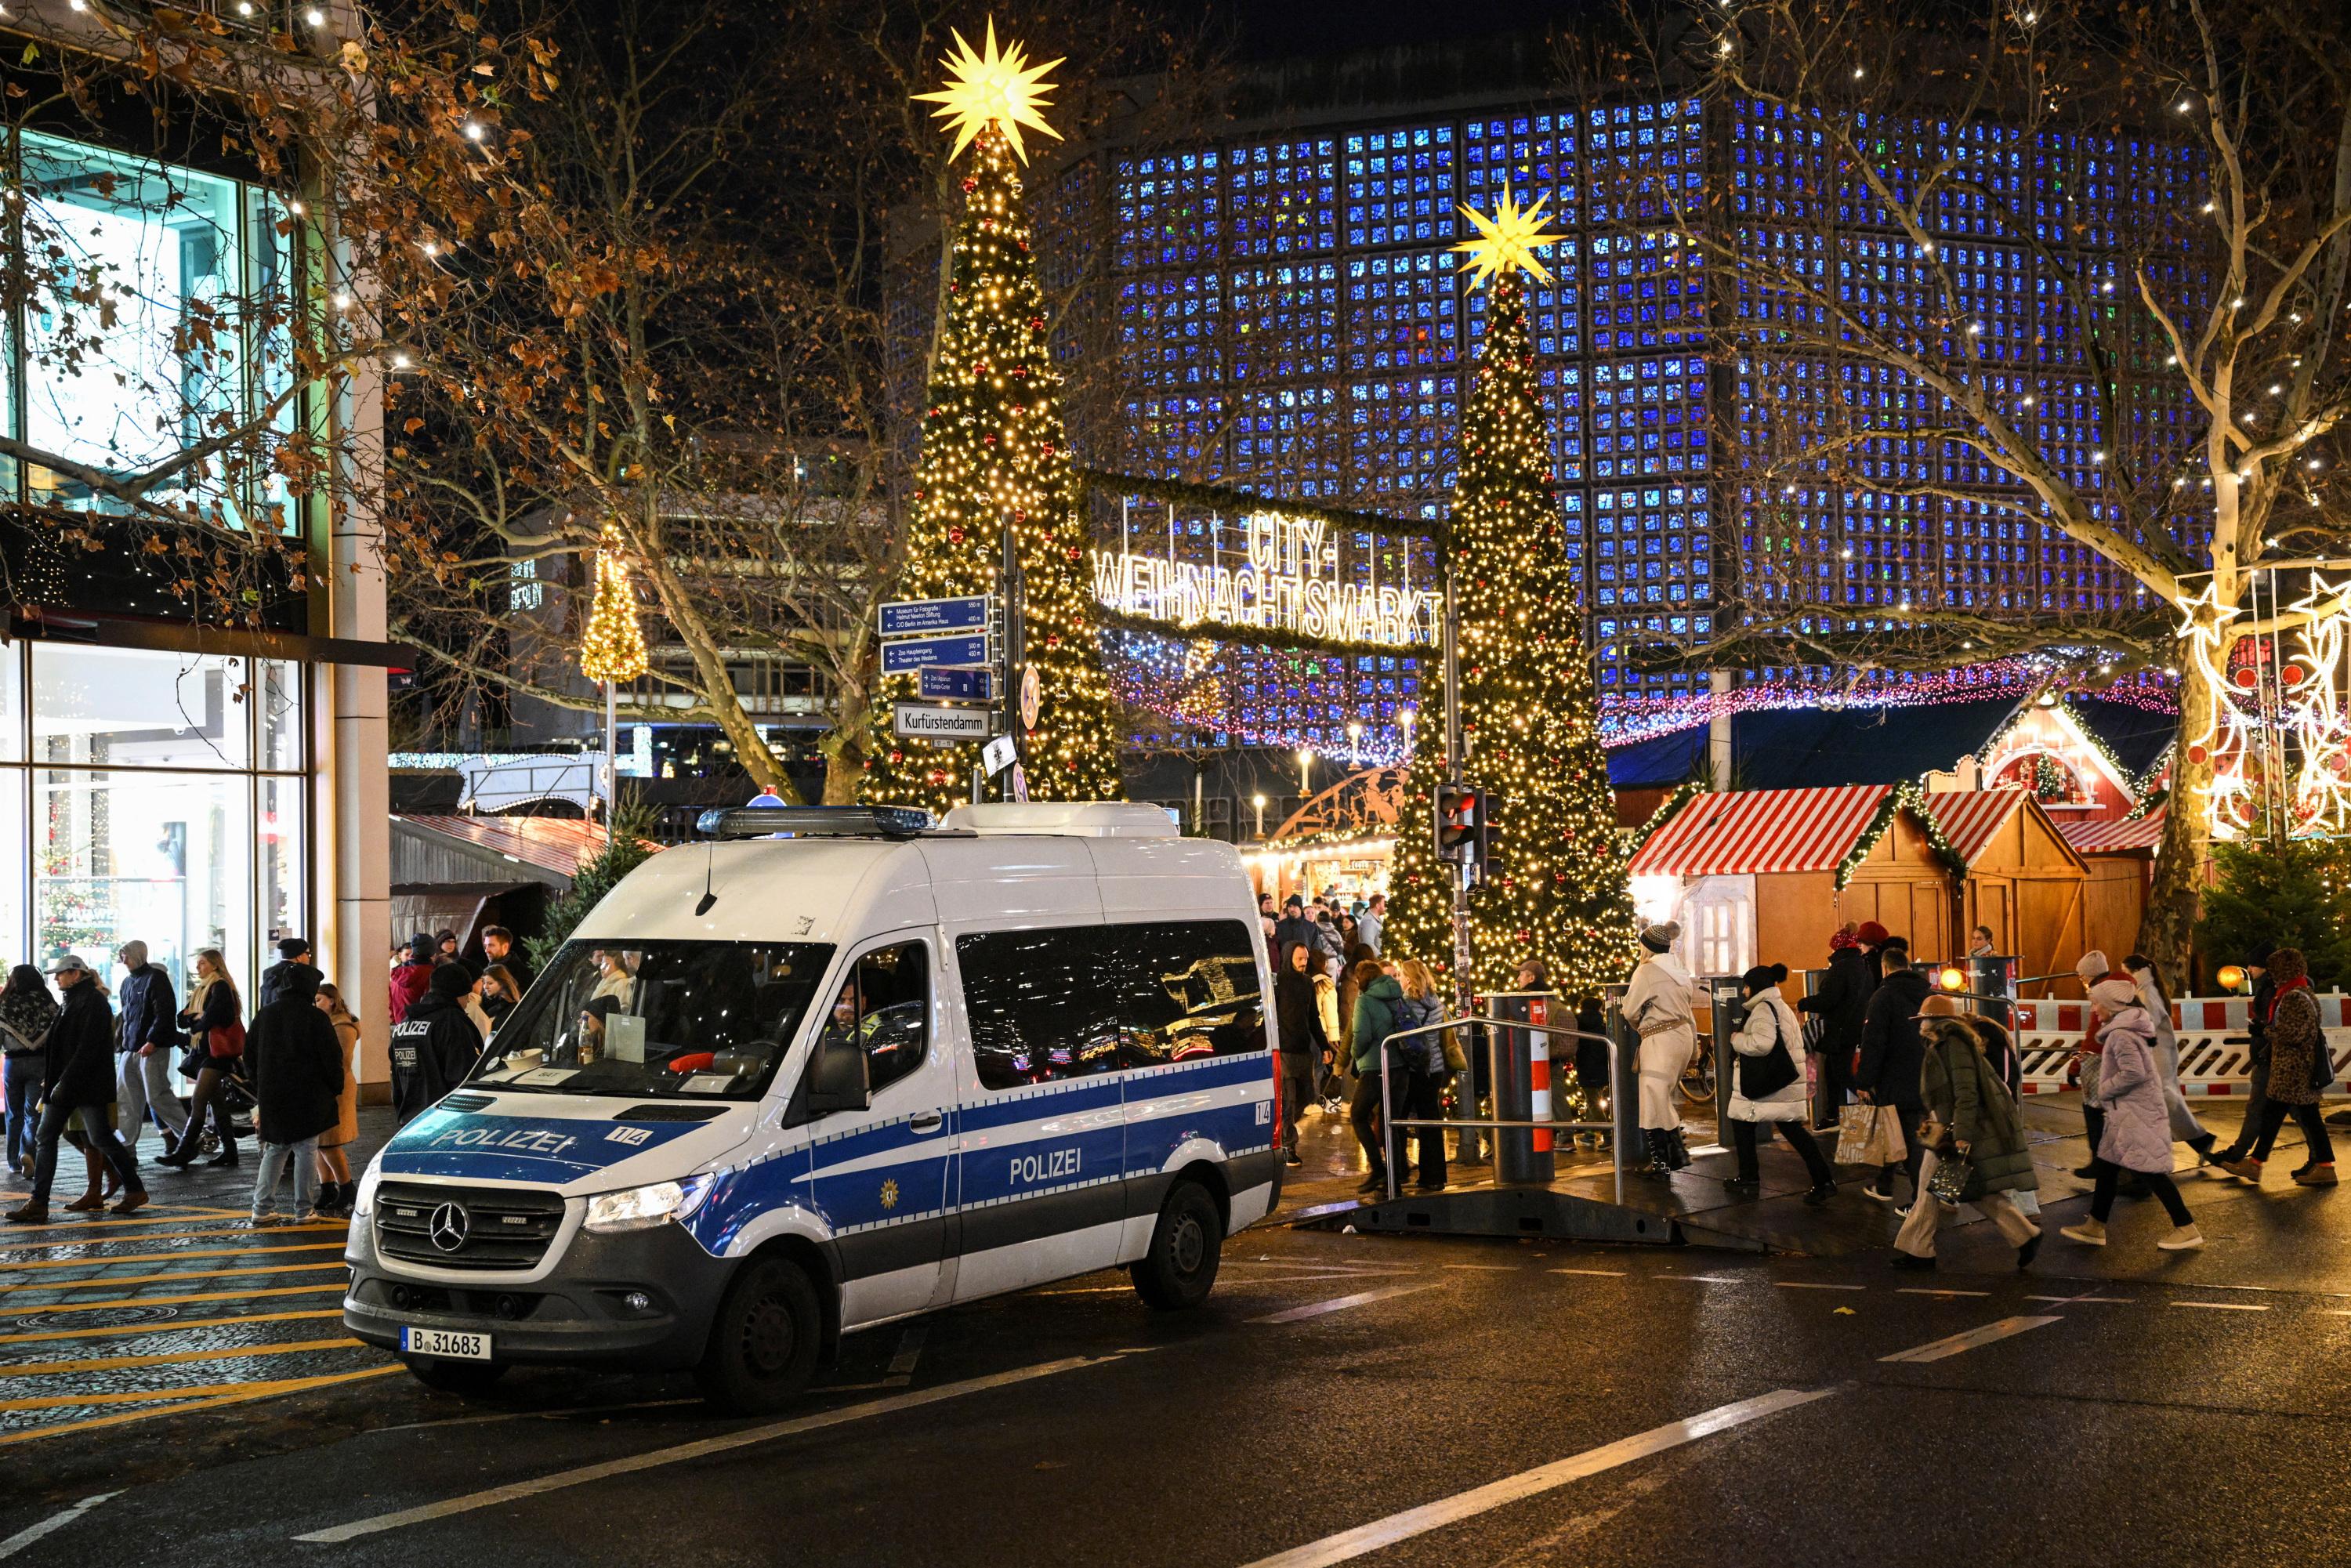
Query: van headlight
(641, 1208)
(364, 1200)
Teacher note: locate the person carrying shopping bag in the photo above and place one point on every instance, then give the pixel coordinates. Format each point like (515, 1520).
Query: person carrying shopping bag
(1767, 1089)
(1976, 1151)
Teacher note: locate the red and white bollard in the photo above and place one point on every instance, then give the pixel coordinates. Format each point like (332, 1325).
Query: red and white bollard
(1539, 1071)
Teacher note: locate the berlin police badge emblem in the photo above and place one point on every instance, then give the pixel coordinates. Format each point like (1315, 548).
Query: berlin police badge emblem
(890, 1193)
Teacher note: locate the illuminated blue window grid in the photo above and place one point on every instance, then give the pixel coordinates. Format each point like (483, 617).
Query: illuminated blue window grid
(1399, 186)
(1282, 198)
(1403, 310)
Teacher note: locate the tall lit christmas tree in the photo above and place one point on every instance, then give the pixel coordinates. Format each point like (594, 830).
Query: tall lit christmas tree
(994, 452)
(1529, 711)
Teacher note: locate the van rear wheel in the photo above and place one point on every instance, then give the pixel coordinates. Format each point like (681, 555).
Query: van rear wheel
(1186, 1248)
(765, 1339)
(461, 1377)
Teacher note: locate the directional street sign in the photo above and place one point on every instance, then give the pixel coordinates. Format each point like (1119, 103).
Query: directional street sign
(959, 685)
(938, 721)
(926, 617)
(901, 657)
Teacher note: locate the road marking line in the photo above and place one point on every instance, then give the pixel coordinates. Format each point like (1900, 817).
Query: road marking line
(573, 1410)
(164, 1327)
(229, 1353)
(1954, 1344)
(157, 1214)
(655, 1458)
(1487, 1268)
(1381, 1533)
(1594, 1273)
(170, 1300)
(1340, 1303)
(32, 1532)
(2225, 1306)
(1932, 1291)
(1810, 1285)
(166, 1236)
(177, 1274)
(169, 1257)
(1704, 1278)
(901, 1369)
(245, 1392)
(2107, 1301)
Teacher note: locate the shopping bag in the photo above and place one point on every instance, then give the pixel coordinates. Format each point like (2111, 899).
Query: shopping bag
(1885, 1144)
(1854, 1126)
(1949, 1182)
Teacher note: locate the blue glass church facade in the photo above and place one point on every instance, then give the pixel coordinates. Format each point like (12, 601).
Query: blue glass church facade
(1286, 317)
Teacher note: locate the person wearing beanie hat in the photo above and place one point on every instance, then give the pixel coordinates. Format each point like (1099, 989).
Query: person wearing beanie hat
(2299, 1069)
(1657, 1005)
(1768, 1086)
(1841, 1006)
(2136, 1131)
(434, 1044)
(2257, 1057)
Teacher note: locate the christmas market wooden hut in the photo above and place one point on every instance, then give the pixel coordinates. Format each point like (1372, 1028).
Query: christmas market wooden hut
(2120, 856)
(2020, 877)
(1764, 877)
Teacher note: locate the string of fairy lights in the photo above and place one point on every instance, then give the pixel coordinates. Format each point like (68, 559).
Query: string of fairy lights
(2278, 733)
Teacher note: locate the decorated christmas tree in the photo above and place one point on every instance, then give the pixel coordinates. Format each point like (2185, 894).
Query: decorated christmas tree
(1529, 711)
(993, 452)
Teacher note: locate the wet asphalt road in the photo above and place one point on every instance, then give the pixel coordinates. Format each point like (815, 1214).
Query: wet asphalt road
(1342, 1399)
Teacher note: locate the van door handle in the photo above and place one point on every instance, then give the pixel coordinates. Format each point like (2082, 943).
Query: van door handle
(925, 1122)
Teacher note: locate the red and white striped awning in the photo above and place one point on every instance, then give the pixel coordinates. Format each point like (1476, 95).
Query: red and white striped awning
(2115, 835)
(1969, 818)
(1754, 831)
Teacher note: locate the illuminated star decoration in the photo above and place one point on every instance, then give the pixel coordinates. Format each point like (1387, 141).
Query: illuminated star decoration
(1507, 240)
(991, 87)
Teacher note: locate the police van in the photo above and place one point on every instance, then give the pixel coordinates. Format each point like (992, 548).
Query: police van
(778, 1089)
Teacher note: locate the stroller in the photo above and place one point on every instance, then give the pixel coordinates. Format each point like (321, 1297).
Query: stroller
(237, 1101)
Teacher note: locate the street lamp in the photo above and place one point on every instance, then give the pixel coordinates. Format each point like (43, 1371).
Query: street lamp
(1305, 770)
(1406, 718)
(1258, 801)
(1355, 743)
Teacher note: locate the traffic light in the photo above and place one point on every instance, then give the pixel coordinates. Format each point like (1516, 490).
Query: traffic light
(1456, 822)
(1487, 856)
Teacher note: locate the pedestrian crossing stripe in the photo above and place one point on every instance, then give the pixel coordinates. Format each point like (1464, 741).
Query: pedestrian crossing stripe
(172, 1358)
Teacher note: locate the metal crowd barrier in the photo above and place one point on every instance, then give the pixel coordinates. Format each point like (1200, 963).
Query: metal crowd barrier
(1621, 1106)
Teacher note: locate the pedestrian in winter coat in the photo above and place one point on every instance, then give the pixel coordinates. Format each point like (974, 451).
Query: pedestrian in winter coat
(1293, 927)
(27, 1011)
(2299, 1069)
(78, 1073)
(1370, 922)
(1376, 996)
(337, 1191)
(296, 1067)
(2091, 967)
(1423, 1059)
(1842, 1004)
(1891, 1055)
(1972, 1117)
(435, 1046)
(293, 961)
(148, 1035)
(1657, 1005)
(2136, 1131)
(412, 977)
(1298, 1029)
(214, 1018)
(1767, 1087)
(2184, 1127)
(2257, 1076)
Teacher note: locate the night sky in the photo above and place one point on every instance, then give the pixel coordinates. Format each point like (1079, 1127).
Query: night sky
(1278, 29)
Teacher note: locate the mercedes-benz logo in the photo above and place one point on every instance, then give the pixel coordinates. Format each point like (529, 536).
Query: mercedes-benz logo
(448, 1226)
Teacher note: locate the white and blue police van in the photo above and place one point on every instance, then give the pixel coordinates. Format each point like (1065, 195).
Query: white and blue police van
(778, 1089)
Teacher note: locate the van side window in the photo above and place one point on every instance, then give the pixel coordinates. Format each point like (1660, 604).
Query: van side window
(885, 1005)
(1038, 1010)
(1185, 990)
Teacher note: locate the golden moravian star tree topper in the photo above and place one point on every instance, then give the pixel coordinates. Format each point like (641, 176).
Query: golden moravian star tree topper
(989, 87)
(1507, 240)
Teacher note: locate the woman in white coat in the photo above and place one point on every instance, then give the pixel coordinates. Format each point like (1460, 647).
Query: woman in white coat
(1657, 1005)
(1767, 1087)
(2184, 1127)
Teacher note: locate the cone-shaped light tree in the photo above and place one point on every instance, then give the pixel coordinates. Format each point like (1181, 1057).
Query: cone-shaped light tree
(1530, 721)
(994, 452)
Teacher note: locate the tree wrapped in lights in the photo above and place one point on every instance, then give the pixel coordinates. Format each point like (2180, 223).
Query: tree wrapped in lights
(612, 648)
(994, 452)
(1529, 710)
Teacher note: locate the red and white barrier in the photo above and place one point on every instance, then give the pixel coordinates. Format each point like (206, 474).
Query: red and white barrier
(1539, 1071)
(2215, 1053)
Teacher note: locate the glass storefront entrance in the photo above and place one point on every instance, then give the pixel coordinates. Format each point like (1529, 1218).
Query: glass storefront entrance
(153, 796)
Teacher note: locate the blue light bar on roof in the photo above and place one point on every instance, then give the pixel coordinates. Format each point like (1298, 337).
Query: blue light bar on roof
(813, 822)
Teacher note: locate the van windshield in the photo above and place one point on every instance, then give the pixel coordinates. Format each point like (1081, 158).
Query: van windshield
(686, 1019)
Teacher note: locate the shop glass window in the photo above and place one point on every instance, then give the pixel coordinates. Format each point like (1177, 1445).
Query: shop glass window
(164, 858)
(127, 708)
(1185, 990)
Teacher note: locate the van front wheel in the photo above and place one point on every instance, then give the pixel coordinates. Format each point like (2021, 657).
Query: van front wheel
(1176, 1274)
(765, 1339)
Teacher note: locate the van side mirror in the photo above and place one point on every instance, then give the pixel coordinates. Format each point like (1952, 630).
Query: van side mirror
(836, 1080)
